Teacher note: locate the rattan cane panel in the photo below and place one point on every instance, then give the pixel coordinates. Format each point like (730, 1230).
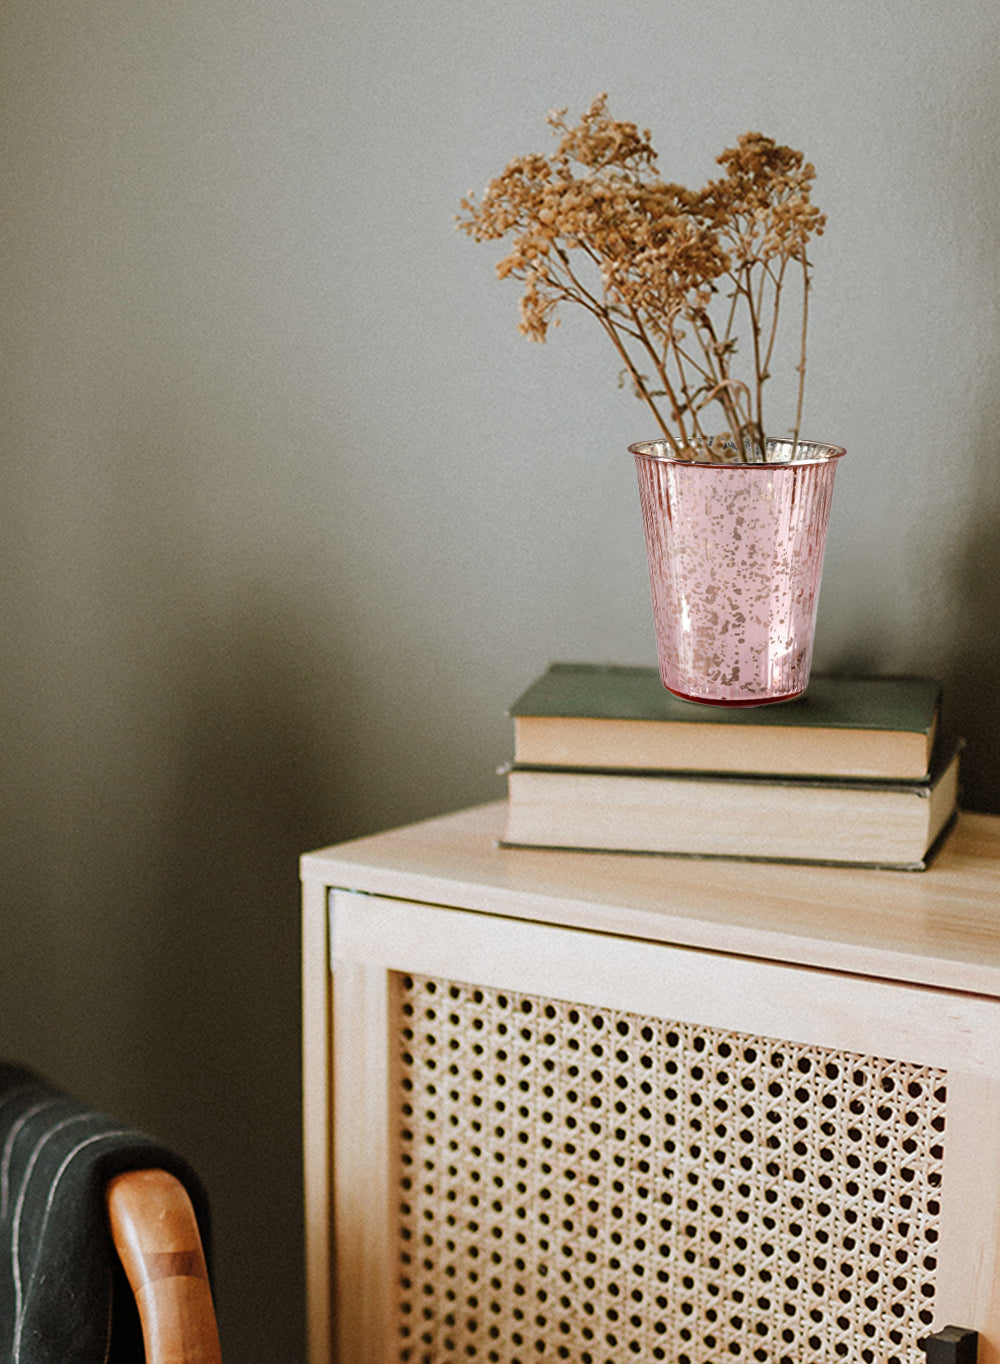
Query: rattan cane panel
(597, 1186)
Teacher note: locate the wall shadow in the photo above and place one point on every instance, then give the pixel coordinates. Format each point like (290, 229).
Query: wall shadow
(972, 674)
(222, 960)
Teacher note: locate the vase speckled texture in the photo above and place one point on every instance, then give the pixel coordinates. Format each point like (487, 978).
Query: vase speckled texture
(735, 557)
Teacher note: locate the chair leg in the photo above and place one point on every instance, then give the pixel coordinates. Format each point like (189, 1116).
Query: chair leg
(156, 1235)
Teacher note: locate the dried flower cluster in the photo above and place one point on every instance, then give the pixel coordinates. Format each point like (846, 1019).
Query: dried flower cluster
(676, 278)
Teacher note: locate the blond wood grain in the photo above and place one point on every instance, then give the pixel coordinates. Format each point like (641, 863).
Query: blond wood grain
(365, 1249)
(156, 1235)
(968, 1284)
(939, 927)
(741, 994)
(317, 1101)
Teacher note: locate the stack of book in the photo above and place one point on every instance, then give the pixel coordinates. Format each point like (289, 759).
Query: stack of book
(856, 771)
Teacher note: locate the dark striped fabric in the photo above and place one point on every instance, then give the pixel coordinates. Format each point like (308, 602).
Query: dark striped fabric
(63, 1295)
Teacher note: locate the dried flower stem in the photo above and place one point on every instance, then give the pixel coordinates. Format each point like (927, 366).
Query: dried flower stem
(806, 286)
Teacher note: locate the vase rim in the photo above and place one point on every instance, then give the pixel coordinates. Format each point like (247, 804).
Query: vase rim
(819, 452)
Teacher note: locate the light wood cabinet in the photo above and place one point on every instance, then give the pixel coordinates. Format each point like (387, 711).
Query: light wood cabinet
(600, 1108)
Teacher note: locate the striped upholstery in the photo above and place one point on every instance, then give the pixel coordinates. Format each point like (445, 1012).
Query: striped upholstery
(63, 1296)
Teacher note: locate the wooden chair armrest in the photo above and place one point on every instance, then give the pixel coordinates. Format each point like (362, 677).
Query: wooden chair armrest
(156, 1235)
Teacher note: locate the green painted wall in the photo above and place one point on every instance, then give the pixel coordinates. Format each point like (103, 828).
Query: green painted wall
(289, 513)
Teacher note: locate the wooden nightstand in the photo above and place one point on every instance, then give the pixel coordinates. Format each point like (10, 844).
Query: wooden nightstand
(600, 1108)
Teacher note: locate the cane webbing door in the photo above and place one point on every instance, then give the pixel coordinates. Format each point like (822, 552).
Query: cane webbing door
(556, 1144)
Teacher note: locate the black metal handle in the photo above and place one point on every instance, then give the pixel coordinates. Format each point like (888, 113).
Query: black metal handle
(953, 1345)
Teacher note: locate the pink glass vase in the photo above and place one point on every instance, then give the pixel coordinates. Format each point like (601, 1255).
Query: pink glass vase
(735, 555)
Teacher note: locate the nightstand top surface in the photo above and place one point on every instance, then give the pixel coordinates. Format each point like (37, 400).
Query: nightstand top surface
(940, 927)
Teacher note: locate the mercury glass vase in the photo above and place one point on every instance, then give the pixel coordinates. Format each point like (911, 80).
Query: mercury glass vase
(735, 556)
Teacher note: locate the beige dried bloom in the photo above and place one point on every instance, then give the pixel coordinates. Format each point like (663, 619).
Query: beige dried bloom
(670, 274)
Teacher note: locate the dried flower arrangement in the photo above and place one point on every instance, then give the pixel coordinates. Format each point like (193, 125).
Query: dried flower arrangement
(671, 274)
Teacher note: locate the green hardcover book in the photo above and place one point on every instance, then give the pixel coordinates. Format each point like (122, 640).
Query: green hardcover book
(594, 716)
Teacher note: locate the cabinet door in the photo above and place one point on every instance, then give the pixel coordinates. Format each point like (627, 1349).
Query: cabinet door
(558, 1144)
